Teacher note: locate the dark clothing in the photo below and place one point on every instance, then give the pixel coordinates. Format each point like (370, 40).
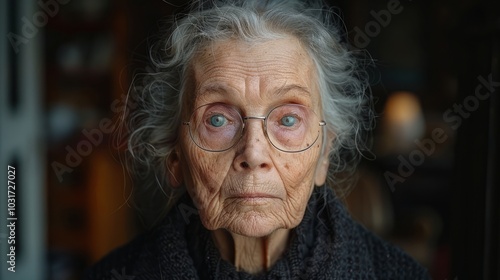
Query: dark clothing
(327, 244)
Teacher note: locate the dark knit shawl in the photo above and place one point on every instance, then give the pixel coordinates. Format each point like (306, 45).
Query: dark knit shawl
(327, 244)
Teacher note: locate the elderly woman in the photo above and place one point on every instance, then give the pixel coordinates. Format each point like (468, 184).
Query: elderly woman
(255, 104)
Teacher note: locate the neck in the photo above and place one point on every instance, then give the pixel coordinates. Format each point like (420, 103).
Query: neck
(251, 254)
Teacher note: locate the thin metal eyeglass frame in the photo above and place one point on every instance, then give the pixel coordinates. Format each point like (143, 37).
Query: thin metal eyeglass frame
(264, 119)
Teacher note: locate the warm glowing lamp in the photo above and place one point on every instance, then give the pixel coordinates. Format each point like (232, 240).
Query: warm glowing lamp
(402, 122)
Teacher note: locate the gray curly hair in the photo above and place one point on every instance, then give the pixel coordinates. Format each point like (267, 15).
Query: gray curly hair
(159, 97)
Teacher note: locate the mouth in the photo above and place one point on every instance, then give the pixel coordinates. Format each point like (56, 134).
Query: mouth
(253, 195)
(252, 190)
(253, 198)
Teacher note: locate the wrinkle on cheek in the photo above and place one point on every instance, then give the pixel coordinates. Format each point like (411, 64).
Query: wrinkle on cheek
(210, 214)
(300, 172)
(202, 171)
(211, 217)
(294, 217)
(208, 173)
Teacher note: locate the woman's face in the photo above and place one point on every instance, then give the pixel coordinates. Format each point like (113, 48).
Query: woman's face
(253, 188)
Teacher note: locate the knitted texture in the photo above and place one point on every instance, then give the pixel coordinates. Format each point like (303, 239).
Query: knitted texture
(327, 244)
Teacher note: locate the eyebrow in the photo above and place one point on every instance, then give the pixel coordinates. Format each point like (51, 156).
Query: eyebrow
(292, 87)
(213, 88)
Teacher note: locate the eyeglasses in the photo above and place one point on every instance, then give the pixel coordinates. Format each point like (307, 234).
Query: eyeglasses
(218, 127)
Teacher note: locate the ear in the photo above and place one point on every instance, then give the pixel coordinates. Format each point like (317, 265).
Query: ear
(174, 170)
(322, 170)
(322, 167)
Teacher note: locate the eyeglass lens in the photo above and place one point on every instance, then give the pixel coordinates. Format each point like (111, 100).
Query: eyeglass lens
(218, 127)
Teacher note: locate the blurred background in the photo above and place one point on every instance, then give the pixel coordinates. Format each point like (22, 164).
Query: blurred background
(432, 187)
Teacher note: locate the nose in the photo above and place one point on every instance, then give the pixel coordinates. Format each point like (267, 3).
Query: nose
(253, 149)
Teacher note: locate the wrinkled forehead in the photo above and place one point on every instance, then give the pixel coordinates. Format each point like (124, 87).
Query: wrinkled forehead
(264, 68)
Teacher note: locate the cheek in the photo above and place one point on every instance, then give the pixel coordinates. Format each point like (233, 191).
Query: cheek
(205, 176)
(298, 171)
(298, 179)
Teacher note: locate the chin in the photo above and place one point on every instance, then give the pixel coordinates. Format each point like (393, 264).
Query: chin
(253, 225)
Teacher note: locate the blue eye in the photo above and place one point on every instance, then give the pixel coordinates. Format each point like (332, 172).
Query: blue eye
(218, 120)
(288, 121)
